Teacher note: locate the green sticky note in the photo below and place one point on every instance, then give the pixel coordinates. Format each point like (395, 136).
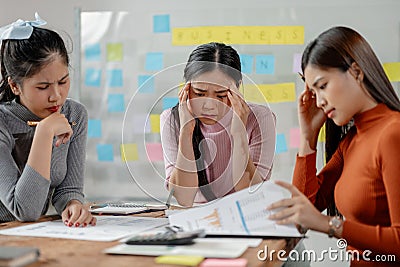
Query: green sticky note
(187, 260)
(114, 52)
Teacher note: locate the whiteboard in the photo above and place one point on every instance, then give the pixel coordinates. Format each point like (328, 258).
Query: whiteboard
(120, 47)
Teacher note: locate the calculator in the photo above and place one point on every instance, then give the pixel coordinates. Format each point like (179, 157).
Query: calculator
(165, 238)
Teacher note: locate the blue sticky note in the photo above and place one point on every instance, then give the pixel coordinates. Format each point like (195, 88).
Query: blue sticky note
(161, 23)
(154, 61)
(93, 77)
(114, 78)
(94, 128)
(246, 62)
(265, 64)
(146, 84)
(115, 103)
(169, 102)
(105, 152)
(92, 52)
(281, 145)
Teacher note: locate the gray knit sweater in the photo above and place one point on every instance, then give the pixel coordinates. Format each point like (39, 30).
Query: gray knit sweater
(25, 194)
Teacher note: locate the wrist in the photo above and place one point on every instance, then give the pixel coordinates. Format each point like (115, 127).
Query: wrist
(335, 224)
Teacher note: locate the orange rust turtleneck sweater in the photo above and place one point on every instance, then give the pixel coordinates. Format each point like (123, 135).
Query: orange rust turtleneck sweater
(363, 176)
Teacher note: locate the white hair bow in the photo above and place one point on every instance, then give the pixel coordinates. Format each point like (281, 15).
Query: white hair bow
(20, 29)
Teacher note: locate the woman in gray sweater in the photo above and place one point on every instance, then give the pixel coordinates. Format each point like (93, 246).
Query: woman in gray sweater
(42, 133)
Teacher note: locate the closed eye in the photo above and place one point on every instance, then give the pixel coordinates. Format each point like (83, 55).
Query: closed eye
(323, 86)
(43, 87)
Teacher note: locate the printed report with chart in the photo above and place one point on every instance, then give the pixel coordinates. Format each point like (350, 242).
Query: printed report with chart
(242, 213)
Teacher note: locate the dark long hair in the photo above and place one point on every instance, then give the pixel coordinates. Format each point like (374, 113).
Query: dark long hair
(340, 47)
(21, 59)
(206, 58)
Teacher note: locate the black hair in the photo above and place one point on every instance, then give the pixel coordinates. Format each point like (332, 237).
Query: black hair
(339, 47)
(21, 59)
(206, 58)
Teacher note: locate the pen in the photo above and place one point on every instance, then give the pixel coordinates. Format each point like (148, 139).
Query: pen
(302, 77)
(34, 123)
(168, 203)
(97, 206)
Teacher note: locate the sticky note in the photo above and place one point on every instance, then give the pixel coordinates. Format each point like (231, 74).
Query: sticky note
(154, 151)
(297, 63)
(239, 262)
(266, 35)
(185, 260)
(93, 52)
(322, 134)
(294, 138)
(155, 123)
(129, 152)
(93, 77)
(281, 145)
(169, 102)
(270, 93)
(115, 103)
(139, 124)
(105, 152)
(154, 61)
(146, 84)
(161, 23)
(392, 70)
(246, 62)
(114, 78)
(94, 128)
(265, 64)
(114, 52)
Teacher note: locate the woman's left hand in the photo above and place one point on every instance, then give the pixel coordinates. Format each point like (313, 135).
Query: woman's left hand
(240, 111)
(76, 214)
(298, 210)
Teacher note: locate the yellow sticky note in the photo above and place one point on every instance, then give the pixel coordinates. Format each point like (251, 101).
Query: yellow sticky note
(322, 134)
(252, 93)
(129, 152)
(155, 123)
(114, 52)
(186, 260)
(280, 35)
(280, 92)
(392, 70)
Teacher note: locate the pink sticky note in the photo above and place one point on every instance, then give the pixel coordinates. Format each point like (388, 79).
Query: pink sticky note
(224, 263)
(294, 138)
(296, 63)
(154, 151)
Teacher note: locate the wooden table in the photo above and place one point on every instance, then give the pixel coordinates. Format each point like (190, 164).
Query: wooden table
(75, 253)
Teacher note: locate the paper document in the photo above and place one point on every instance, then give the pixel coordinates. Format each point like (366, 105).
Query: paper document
(202, 247)
(108, 228)
(240, 213)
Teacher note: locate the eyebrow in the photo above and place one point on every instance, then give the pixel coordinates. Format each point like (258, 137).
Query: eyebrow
(204, 91)
(63, 78)
(315, 83)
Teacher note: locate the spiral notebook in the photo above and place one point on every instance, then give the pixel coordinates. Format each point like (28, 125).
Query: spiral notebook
(125, 208)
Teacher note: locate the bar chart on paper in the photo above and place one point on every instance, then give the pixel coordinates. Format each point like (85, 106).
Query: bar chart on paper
(241, 213)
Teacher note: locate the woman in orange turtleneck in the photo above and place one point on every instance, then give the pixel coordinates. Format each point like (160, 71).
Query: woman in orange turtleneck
(346, 88)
